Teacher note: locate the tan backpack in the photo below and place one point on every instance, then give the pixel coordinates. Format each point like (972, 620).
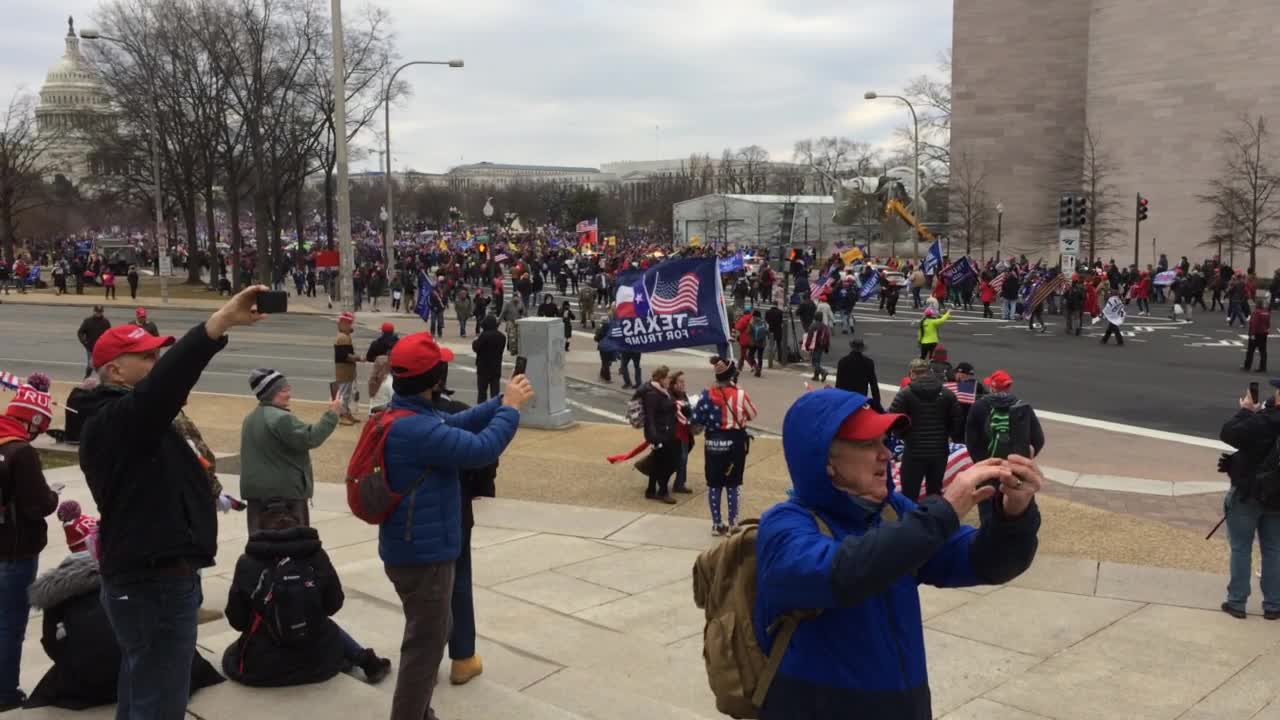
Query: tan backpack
(724, 586)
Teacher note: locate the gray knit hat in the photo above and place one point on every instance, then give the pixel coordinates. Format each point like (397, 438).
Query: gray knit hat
(265, 383)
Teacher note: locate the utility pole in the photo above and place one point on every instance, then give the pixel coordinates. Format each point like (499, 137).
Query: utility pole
(346, 253)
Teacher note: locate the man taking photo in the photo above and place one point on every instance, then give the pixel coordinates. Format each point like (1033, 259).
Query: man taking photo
(864, 656)
(158, 525)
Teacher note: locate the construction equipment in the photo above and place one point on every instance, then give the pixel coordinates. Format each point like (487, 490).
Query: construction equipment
(895, 207)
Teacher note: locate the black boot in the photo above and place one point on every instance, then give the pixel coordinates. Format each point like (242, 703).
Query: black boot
(375, 668)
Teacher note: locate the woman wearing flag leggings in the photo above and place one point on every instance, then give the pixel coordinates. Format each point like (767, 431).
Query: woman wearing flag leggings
(724, 410)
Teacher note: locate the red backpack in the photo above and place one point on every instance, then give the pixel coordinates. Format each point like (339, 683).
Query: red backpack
(369, 493)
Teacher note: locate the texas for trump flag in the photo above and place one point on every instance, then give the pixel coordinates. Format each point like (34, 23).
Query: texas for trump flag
(674, 304)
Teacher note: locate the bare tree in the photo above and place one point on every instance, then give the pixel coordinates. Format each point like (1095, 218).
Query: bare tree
(834, 157)
(931, 97)
(1096, 170)
(753, 168)
(24, 163)
(1244, 196)
(968, 202)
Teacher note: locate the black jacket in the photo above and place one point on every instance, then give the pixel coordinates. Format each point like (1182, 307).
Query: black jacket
(1009, 291)
(934, 412)
(91, 329)
(381, 345)
(857, 373)
(659, 416)
(28, 500)
(1252, 434)
(1025, 433)
(254, 659)
(152, 492)
(77, 637)
(774, 317)
(489, 346)
(475, 482)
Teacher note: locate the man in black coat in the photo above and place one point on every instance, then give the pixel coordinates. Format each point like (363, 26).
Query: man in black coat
(382, 344)
(1252, 431)
(158, 516)
(90, 330)
(934, 412)
(774, 318)
(857, 373)
(488, 346)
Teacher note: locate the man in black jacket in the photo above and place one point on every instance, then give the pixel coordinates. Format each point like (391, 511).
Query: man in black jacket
(774, 317)
(933, 410)
(857, 373)
(158, 526)
(90, 330)
(488, 346)
(382, 344)
(1252, 431)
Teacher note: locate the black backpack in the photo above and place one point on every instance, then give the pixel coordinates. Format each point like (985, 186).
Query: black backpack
(287, 603)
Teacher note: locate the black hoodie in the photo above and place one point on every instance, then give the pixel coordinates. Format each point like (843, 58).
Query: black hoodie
(254, 659)
(157, 510)
(933, 410)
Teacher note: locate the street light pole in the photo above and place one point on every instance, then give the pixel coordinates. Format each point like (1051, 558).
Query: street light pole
(916, 191)
(162, 237)
(390, 248)
(346, 253)
(999, 227)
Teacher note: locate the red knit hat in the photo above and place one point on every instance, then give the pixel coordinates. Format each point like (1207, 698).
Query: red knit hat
(31, 407)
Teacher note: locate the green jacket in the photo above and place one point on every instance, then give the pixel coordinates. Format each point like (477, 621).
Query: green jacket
(275, 458)
(929, 328)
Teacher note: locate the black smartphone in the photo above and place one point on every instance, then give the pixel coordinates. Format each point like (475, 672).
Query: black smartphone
(522, 362)
(273, 302)
(1253, 391)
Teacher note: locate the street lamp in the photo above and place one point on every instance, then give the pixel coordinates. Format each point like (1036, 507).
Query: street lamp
(873, 95)
(162, 239)
(999, 227)
(390, 249)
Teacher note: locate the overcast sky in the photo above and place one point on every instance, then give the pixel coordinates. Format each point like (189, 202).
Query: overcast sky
(584, 82)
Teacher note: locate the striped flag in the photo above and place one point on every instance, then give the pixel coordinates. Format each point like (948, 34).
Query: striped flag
(10, 381)
(823, 286)
(966, 392)
(1047, 288)
(957, 462)
(998, 281)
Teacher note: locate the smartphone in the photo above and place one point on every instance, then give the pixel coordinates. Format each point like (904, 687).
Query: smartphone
(522, 362)
(273, 302)
(1253, 391)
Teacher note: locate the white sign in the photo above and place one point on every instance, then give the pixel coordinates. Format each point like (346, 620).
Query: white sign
(166, 265)
(1068, 263)
(1069, 241)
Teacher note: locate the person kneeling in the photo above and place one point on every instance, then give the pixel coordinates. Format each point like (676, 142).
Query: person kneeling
(282, 596)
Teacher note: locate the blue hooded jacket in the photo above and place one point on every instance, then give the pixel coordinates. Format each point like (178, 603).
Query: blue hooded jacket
(864, 657)
(427, 526)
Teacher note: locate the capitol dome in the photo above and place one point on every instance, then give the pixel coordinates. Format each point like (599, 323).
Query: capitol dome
(71, 100)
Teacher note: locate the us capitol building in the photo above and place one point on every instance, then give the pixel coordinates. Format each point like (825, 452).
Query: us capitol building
(72, 99)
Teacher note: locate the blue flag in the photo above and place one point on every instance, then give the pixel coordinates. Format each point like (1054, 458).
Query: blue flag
(960, 271)
(933, 261)
(731, 264)
(674, 304)
(870, 287)
(425, 289)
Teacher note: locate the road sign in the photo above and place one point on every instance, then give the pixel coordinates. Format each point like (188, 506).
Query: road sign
(166, 265)
(1069, 241)
(1068, 263)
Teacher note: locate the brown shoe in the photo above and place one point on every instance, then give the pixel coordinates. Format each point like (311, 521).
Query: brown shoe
(464, 671)
(347, 420)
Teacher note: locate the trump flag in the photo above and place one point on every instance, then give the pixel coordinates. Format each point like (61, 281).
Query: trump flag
(674, 304)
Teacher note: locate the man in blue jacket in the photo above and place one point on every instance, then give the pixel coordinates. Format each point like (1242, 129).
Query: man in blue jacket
(864, 656)
(422, 539)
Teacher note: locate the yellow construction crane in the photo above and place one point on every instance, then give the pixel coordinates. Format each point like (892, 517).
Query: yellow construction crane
(895, 207)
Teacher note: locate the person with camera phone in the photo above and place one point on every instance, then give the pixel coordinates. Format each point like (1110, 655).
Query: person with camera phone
(1252, 505)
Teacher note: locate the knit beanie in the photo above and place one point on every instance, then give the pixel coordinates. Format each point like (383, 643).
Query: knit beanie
(265, 383)
(68, 510)
(32, 406)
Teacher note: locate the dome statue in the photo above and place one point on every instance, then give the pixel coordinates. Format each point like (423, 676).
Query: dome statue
(72, 99)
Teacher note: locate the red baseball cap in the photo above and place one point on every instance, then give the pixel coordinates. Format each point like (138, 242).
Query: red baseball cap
(124, 340)
(140, 312)
(388, 327)
(1000, 380)
(416, 354)
(868, 424)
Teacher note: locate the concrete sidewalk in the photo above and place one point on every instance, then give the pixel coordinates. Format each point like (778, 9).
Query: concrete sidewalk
(588, 613)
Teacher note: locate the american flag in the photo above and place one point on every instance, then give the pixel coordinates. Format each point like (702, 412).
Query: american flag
(9, 380)
(967, 395)
(671, 296)
(719, 409)
(957, 462)
(998, 282)
(501, 257)
(824, 284)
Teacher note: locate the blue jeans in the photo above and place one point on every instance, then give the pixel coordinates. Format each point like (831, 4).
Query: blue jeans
(1246, 520)
(817, 363)
(630, 358)
(682, 470)
(154, 620)
(351, 650)
(462, 326)
(1009, 306)
(437, 324)
(462, 636)
(15, 578)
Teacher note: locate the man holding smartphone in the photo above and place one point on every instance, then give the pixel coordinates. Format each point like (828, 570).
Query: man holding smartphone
(1250, 510)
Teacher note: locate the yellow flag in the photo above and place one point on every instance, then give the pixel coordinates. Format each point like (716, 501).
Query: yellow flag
(849, 256)
(695, 241)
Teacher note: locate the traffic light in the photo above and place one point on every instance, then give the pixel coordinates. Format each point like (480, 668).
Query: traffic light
(1082, 210)
(1066, 210)
(1143, 204)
